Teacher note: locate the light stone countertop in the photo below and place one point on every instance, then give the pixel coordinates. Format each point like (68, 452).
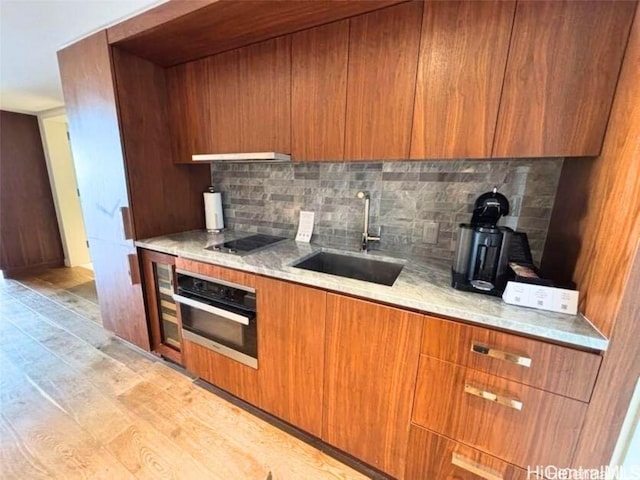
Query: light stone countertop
(422, 285)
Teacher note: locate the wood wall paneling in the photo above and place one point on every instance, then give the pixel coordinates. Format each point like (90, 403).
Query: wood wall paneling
(90, 103)
(383, 59)
(291, 332)
(225, 25)
(596, 217)
(265, 100)
(319, 92)
(463, 53)
(29, 233)
(543, 432)
(165, 197)
(121, 301)
(371, 361)
(616, 383)
(563, 65)
(429, 456)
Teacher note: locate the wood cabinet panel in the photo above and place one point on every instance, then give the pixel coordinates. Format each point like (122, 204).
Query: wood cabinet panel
(165, 197)
(223, 372)
(554, 368)
(117, 274)
(544, 431)
(370, 369)
(265, 100)
(224, 90)
(160, 311)
(383, 59)
(90, 103)
(190, 117)
(463, 53)
(431, 456)
(561, 74)
(215, 271)
(291, 333)
(319, 92)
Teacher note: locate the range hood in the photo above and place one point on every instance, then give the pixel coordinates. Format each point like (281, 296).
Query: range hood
(253, 157)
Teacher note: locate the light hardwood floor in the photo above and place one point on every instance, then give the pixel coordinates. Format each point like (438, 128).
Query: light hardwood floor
(76, 402)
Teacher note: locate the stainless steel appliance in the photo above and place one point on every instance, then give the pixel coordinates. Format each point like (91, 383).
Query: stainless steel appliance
(248, 244)
(218, 315)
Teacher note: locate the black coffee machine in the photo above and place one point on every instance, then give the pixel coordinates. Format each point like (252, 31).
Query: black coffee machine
(484, 249)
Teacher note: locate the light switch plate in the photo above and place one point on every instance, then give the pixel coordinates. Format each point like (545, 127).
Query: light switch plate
(430, 232)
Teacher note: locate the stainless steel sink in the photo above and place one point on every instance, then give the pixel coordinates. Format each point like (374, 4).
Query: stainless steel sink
(367, 269)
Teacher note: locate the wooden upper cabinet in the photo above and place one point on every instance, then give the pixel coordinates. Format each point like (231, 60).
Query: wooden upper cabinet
(265, 96)
(291, 352)
(561, 74)
(463, 53)
(319, 92)
(237, 101)
(383, 58)
(371, 360)
(189, 112)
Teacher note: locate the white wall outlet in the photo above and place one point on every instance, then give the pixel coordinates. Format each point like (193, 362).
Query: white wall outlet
(430, 232)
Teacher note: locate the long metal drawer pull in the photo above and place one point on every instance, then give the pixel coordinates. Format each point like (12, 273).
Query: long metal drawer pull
(500, 355)
(506, 401)
(475, 467)
(211, 309)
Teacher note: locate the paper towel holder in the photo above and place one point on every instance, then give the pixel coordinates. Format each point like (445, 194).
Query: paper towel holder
(213, 213)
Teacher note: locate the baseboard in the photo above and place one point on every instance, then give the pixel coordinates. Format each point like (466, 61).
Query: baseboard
(16, 272)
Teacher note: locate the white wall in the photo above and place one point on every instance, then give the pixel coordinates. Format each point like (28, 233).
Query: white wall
(63, 184)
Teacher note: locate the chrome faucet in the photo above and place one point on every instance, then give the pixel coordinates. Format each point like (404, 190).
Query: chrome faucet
(366, 236)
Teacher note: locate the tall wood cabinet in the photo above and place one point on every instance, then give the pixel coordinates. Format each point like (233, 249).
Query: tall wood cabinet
(371, 361)
(129, 185)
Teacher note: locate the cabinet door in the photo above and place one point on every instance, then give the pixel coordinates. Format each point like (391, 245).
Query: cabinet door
(90, 102)
(463, 52)
(265, 96)
(319, 92)
(371, 360)
(383, 58)
(189, 112)
(291, 321)
(159, 273)
(561, 74)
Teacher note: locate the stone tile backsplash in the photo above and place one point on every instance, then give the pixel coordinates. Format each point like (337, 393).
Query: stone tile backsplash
(408, 199)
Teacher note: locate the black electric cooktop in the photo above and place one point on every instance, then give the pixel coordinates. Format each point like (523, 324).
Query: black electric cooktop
(244, 245)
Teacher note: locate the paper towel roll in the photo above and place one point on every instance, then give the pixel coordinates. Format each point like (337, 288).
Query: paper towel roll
(213, 211)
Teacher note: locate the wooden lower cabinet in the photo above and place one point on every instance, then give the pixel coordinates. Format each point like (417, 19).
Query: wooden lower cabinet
(371, 360)
(517, 423)
(159, 278)
(433, 457)
(291, 328)
(221, 371)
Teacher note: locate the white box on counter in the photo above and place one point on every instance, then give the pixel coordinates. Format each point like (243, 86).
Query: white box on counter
(553, 299)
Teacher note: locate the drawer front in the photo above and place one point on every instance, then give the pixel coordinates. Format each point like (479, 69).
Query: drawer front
(431, 456)
(214, 271)
(517, 423)
(557, 369)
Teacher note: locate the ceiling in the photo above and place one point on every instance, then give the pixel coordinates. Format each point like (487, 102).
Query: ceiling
(31, 31)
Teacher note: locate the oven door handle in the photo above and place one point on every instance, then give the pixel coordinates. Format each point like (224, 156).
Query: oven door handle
(234, 317)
